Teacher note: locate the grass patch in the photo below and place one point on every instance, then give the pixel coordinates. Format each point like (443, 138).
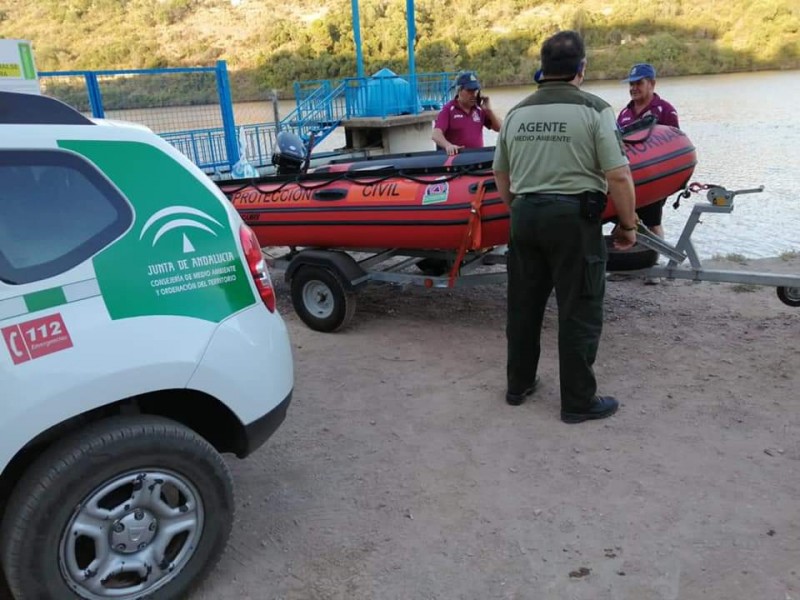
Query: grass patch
(736, 258)
(732, 257)
(789, 255)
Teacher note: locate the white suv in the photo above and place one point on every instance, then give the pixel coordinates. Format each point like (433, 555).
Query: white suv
(139, 341)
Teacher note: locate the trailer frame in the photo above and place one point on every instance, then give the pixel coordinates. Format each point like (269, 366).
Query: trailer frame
(324, 281)
(720, 201)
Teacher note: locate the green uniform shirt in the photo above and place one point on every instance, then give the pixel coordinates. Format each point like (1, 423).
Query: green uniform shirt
(559, 140)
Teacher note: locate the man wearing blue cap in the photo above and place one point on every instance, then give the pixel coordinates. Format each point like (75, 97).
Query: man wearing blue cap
(645, 102)
(461, 121)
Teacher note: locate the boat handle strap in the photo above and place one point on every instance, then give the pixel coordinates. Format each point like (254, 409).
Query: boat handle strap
(472, 236)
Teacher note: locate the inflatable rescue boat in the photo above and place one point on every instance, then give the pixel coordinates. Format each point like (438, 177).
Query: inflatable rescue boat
(422, 200)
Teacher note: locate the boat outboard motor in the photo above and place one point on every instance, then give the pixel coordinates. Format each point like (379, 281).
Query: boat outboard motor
(290, 156)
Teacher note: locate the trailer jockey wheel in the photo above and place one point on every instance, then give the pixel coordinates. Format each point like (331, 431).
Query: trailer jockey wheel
(789, 296)
(321, 300)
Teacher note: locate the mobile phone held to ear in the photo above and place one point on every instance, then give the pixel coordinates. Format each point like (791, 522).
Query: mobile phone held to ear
(479, 99)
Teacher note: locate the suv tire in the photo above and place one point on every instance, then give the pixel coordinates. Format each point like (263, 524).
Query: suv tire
(147, 485)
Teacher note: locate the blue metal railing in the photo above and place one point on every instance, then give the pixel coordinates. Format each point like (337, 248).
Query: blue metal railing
(320, 107)
(323, 104)
(210, 148)
(207, 148)
(315, 109)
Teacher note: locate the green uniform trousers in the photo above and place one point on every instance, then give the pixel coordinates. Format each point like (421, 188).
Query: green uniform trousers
(551, 246)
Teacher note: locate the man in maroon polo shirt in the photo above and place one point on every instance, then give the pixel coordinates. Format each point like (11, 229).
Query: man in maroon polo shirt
(461, 121)
(645, 102)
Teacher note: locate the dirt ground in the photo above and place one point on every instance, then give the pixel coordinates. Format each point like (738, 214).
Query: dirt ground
(401, 473)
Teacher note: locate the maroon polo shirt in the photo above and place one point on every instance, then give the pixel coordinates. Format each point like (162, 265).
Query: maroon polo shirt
(461, 128)
(662, 110)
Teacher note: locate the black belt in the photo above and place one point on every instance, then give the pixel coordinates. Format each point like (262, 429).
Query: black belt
(565, 197)
(591, 204)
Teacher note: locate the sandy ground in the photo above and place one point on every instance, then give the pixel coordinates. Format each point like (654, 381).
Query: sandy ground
(401, 473)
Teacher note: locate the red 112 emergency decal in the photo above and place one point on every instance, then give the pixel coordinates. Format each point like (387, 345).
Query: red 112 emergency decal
(36, 338)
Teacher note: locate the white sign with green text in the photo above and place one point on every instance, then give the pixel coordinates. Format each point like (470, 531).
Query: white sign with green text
(17, 70)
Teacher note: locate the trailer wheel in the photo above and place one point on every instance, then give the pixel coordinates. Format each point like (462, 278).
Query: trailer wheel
(789, 296)
(633, 259)
(320, 299)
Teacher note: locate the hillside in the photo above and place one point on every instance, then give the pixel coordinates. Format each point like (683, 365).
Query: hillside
(269, 44)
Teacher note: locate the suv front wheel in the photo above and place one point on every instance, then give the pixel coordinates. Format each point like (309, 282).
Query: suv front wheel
(128, 507)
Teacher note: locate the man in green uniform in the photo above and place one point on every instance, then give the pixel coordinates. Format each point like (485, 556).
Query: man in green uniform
(557, 155)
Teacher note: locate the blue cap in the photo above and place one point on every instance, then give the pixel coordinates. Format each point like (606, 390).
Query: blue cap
(468, 81)
(641, 71)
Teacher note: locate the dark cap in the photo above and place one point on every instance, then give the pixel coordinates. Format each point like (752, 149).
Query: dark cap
(468, 81)
(640, 71)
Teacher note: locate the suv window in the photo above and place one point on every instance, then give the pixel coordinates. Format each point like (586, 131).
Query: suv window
(56, 211)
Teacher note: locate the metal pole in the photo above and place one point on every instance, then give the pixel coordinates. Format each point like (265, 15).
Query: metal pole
(95, 97)
(357, 40)
(412, 34)
(275, 111)
(226, 108)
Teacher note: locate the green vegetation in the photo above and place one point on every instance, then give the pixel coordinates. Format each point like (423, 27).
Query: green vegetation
(731, 257)
(269, 44)
(789, 255)
(736, 258)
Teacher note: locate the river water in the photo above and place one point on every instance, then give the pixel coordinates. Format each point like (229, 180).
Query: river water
(746, 128)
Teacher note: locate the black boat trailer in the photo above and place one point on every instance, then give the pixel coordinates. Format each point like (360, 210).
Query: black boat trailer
(324, 281)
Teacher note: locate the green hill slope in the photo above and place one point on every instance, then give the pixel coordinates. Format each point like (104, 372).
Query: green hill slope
(269, 44)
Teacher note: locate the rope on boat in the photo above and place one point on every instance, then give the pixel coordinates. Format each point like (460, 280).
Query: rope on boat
(645, 123)
(448, 174)
(430, 174)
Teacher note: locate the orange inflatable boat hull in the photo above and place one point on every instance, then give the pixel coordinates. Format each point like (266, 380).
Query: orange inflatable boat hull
(423, 200)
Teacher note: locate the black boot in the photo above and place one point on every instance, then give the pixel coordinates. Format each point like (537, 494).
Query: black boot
(600, 408)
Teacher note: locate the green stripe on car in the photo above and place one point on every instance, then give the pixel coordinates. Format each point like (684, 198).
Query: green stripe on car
(48, 298)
